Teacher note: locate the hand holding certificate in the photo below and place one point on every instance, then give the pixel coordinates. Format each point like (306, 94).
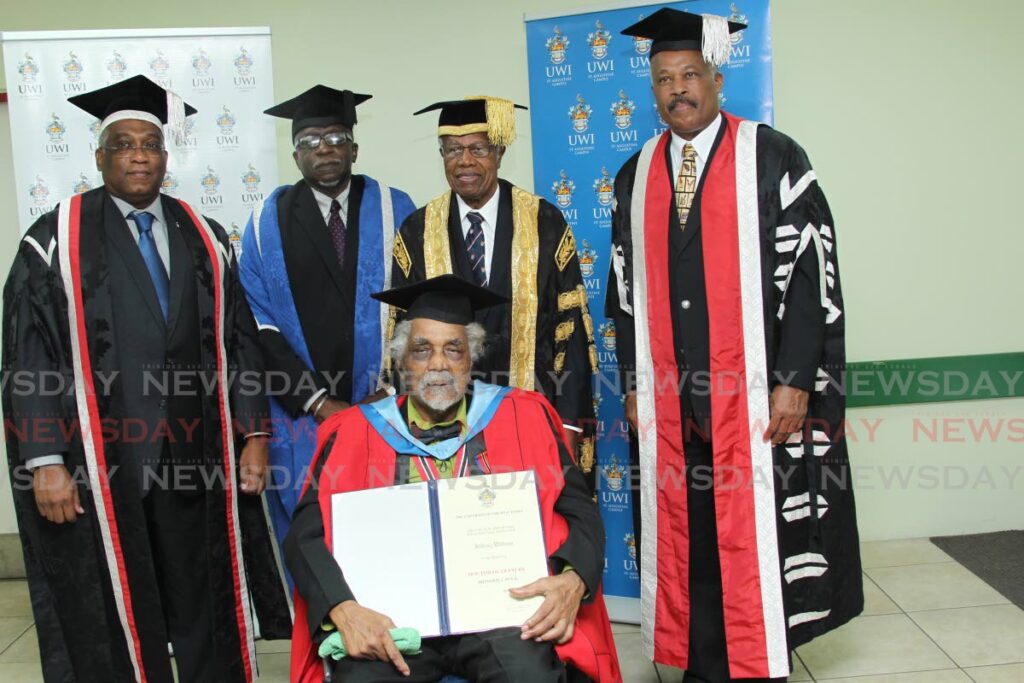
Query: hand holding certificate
(444, 557)
(555, 619)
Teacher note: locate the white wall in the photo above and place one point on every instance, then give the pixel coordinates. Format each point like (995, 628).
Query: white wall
(907, 110)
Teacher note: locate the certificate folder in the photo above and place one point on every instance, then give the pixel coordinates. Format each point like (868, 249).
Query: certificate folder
(441, 556)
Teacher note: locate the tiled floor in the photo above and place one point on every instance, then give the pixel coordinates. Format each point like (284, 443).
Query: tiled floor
(926, 620)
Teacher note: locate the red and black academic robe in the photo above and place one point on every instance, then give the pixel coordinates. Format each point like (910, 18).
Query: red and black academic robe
(544, 339)
(94, 594)
(524, 434)
(711, 316)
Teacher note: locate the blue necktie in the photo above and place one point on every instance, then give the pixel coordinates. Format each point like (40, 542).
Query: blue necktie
(475, 247)
(154, 264)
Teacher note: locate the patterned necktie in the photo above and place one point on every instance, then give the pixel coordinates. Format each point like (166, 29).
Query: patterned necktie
(686, 184)
(336, 226)
(154, 264)
(475, 247)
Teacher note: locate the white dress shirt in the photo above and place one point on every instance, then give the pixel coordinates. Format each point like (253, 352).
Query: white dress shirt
(490, 213)
(324, 202)
(702, 144)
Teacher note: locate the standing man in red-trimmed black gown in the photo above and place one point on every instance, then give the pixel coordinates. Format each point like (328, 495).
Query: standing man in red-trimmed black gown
(137, 488)
(724, 287)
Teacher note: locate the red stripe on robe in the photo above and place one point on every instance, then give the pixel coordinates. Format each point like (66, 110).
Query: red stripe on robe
(730, 425)
(96, 433)
(226, 439)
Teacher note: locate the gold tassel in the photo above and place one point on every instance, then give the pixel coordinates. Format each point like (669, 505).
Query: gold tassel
(501, 119)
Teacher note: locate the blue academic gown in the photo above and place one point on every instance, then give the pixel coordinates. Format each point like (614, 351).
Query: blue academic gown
(319, 328)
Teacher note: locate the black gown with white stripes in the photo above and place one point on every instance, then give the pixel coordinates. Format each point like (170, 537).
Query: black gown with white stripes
(803, 315)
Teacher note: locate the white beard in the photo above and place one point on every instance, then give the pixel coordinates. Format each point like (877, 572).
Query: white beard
(439, 390)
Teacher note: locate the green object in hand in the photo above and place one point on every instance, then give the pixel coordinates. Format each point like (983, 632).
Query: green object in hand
(407, 640)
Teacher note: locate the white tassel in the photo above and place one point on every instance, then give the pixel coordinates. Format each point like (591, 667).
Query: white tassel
(716, 46)
(176, 116)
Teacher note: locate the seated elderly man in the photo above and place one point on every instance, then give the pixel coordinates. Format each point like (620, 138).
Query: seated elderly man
(484, 428)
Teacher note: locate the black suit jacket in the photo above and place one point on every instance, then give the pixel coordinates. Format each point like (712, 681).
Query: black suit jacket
(154, 357)
(324, 293)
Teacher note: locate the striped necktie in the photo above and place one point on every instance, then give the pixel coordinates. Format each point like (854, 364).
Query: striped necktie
(475, 247)
(154, 264)
(686, 184)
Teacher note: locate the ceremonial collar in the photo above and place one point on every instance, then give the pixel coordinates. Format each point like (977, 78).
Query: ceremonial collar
(386, 418)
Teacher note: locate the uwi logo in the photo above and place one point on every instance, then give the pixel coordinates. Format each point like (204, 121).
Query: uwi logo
(563, 188)
(556, 46)
(604, 188)
(579, 114)
(487, 497)
(117, 67)
(251, 179)
(235, 239)
(607, 334)
(39, 192)
(740, 17)
(630, 542)
(588, 258)
(622, 110)
(159, 66)
(83, 185)
(94, 128)
(210, 181)
(169, 183)
(598, 41)
(226, 122)
(614, 474)
(55, 129)
(201, 64)
(73, 68)
(598, 399)
(244, 63)
(641, 45)
(28, 69)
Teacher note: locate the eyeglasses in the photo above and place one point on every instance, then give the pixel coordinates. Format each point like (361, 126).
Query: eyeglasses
(307, 142)
(125, 148)
(455, 151)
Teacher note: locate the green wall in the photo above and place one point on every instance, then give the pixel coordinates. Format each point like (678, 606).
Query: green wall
(906, 108)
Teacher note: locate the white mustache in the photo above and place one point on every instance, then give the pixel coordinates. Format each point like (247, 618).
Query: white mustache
(436, 379)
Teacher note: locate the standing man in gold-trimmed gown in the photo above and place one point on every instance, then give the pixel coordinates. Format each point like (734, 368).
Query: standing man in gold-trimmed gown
(488, 231)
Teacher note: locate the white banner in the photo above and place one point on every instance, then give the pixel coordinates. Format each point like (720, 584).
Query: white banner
(223, 166)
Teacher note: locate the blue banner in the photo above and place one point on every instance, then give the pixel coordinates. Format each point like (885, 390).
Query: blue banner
(591, 108)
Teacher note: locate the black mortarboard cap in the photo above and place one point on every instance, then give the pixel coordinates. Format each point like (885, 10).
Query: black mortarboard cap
(673, 29)
(134, 98)
(446, 298)
(492, 115)
(318, 107)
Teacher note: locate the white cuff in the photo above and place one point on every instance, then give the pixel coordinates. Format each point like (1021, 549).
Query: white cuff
(572, 428)
(312, 399)
(32, 464)
(252, 434)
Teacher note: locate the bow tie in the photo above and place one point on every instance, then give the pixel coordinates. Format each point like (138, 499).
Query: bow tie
(439, 433)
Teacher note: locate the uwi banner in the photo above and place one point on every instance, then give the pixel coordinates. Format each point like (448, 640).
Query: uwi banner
(224, 164)
(591, 108)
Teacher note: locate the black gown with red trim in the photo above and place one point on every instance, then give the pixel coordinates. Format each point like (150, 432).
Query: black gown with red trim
(817, 544)
(73, 586)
